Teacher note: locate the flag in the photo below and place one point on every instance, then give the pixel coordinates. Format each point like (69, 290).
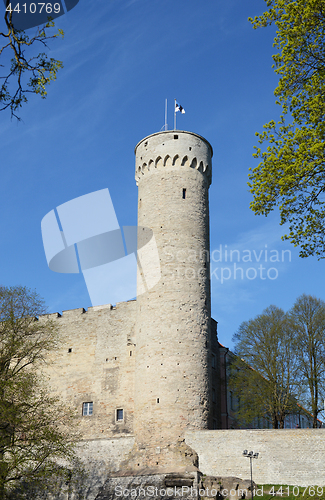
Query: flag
(178, 107)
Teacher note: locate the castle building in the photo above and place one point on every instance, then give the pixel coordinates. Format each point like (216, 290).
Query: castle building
(148, 378)
(148, 368)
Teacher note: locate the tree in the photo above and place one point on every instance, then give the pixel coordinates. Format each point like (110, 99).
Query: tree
(264, 374)
(35, 429)
(308, 316)
(291, 173)
(39, 69)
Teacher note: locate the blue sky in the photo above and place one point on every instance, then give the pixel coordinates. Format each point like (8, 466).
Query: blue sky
(122, 59)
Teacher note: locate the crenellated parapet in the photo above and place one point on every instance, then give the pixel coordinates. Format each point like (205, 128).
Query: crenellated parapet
(71, 314)
(173, 149)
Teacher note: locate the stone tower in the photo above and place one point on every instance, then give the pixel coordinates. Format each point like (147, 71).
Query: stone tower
(172, 393)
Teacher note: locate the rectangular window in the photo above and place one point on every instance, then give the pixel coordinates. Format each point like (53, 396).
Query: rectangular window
(231, 400)
(184, 193)
(87, 409)
(213, 361)
(119, 415)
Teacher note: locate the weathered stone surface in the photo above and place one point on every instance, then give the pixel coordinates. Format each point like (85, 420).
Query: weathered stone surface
(172, 392)
(224, 487)
(149, 487)
(94, 362)
(286, 456)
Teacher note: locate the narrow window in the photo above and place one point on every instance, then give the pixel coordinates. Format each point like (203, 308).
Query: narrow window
(119, 414)
(213, 361)
(87, 409)
(69, 350)
(184, 193)
(175, 136)
(130, 353)
(157, 400)
(231, 400)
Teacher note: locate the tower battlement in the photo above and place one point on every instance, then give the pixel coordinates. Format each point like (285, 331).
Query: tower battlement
(173, 148)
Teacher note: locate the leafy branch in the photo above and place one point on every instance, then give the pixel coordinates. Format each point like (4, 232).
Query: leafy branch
(39, 69)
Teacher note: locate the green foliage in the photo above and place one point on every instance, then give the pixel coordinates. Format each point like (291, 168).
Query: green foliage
(264, 371)
(36, 439)
(39, 69)
(291, 173)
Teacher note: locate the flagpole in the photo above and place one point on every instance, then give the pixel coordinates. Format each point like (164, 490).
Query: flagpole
(166, 126)
(175, 115)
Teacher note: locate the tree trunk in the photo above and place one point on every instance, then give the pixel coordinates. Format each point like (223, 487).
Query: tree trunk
(275, 422)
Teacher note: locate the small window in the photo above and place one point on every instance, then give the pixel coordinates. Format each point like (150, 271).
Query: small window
(184, 193)
(119, 415)
(70, 349)
(231, 400)
(175, 136)
(213, 361)
(157, 400)
(87, 409)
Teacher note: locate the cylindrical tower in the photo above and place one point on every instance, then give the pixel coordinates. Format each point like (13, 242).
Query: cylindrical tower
(173, 174)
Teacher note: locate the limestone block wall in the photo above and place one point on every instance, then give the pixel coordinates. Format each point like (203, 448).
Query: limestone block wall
(109, 452)
(286, 456)
(94, 362)
(173, 173)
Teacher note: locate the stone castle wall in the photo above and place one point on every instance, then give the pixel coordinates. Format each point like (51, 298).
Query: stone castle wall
(94, 362)
(286, 456)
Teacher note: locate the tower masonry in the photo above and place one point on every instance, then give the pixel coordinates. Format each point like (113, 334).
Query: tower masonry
(172, 388)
